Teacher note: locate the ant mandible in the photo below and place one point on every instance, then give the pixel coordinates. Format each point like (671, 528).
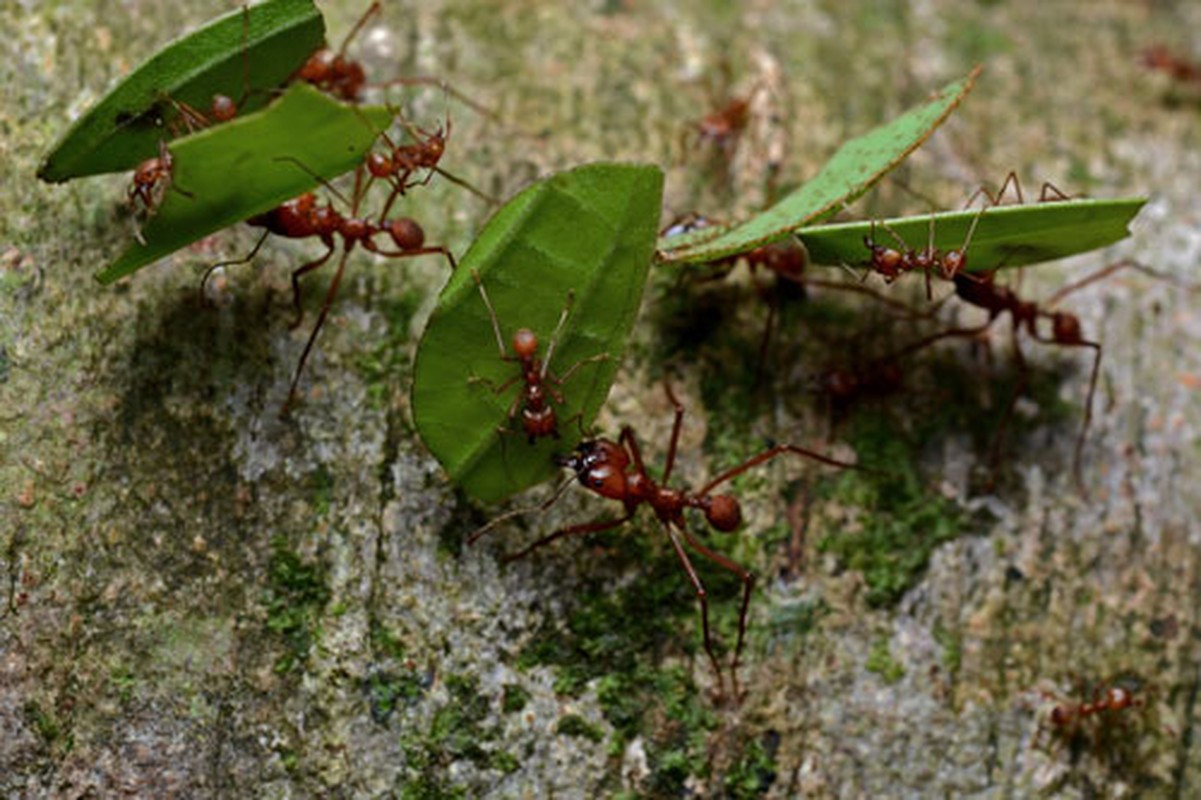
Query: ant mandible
(538, 417)
(303, 218)
(615, 470)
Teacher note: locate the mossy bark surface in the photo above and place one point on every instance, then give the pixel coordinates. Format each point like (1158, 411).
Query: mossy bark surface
(198, 598)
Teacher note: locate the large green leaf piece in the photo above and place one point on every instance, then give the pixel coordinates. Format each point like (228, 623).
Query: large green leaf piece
(588, 232)
(1004, 236)
(854, 169)
(264, 45)
(228, 173)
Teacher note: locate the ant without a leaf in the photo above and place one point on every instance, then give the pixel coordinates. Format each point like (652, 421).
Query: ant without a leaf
(1094, 724)
(615, 470)
(400, 161)
(303, 218)
(538, 417)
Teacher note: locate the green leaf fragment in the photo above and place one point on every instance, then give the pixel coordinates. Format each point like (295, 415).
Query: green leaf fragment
(590, 231)
(266, 45)
(1005, 236)
(230, 172)
(854, 169)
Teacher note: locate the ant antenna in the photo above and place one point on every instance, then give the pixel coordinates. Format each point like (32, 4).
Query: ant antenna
(358, 26)
(328, 186)
(554, 337)
(517, 512)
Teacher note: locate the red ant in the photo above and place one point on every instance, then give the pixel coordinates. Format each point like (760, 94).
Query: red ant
(615, 470)
(1158, 57)
(302, 218)
(344, 78)
(1107, 700)
(538, 417)
(1090, 724)
(892, 263)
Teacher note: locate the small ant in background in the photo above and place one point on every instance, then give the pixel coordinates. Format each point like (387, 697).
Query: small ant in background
(1105, 724)
(303, 218)
(538, 417)
(1158, 58)
(344, 78)
(615, 470)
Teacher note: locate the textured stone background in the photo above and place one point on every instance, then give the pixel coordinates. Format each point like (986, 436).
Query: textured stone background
(201, 600)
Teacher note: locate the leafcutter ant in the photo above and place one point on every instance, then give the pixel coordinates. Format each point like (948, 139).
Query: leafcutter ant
(615, 471)
(303, 218)
(891, 263)
(539, 385)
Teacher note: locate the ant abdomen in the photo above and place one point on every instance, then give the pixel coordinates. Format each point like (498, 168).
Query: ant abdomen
(723, 512)
(406, 233)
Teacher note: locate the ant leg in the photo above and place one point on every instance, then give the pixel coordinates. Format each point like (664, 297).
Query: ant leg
(330, 293)
(1052, 194)
(371, 11)
(627, 440)
(675, 434)
(570, 530)
(247, 258)
(425, 80)
(456, 180)
(702, 597)
(994, 457)
(768, 455)
(748, 584)
(1104, 272)
(491, 385)
(561, 379)
(303, 270)
(416, 251)
(1077, 458)
(508, 515)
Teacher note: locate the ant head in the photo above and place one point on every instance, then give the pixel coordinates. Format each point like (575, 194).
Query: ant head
(1065, 328)
(954, 262)
(318, 66)
(840, 383)
(525, 344)
(380, 165)
(224, 108)
(600, 466)
(723, 512)
(886, 260)
(406, 233)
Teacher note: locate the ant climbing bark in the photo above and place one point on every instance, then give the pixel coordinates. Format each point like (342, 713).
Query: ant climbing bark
(615, 471)
(303, 218)
(538, 418)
